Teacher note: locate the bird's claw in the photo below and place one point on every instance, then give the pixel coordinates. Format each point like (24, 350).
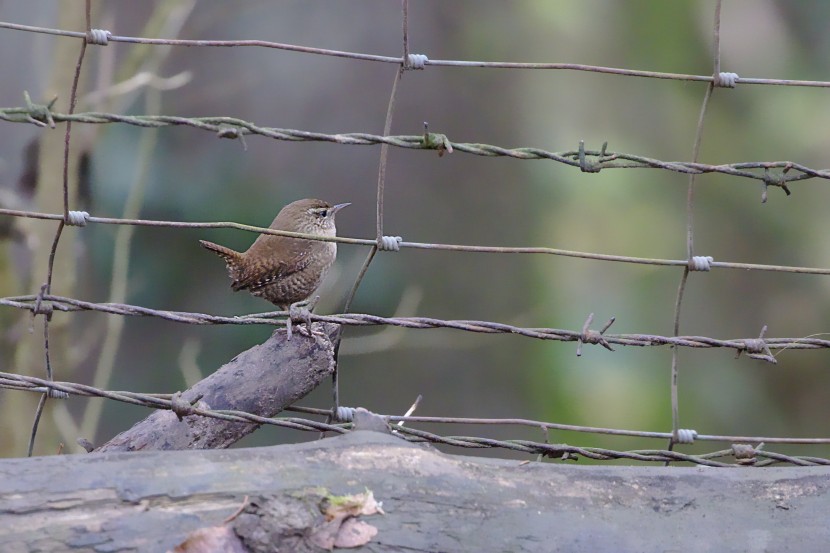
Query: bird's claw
(299, 313)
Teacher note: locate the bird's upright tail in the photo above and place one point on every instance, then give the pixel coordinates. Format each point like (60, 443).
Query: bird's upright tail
(232, 258)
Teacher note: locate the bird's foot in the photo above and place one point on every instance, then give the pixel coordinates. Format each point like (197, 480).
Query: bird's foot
(299, 313)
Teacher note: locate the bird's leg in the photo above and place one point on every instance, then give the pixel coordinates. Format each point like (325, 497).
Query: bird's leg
(300, 312)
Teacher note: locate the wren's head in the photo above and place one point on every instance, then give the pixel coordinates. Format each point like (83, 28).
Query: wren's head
(309, 216)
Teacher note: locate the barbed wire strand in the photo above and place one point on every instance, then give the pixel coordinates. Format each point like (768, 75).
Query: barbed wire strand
(570, 427)
(396, 60)
(605, 159)
(164, 401)
(753, 346)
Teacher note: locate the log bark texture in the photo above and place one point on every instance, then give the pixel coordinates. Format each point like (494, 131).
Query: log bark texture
(263, 380)
(151, 501)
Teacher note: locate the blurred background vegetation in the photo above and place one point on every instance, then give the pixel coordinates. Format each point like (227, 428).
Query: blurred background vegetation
(185, 174)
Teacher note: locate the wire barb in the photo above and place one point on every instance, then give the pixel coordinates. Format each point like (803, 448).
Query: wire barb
(436, 141)
(234, 133)
(585, 165)
(39, 114)
(588, 336)
(41, 308)
(775, 180)
(745, 454)
(409, 411)
(180, 406)
(758, 348)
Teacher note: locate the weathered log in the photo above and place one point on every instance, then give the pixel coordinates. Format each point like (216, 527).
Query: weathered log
(263, 381)
(151, 501)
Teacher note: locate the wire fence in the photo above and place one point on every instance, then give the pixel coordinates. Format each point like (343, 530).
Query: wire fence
(779, 174)
(742, 454)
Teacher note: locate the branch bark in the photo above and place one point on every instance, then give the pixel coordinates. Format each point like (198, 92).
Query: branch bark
(263, 381)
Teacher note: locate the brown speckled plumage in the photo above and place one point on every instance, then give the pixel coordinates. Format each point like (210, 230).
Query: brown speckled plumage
(280, 269)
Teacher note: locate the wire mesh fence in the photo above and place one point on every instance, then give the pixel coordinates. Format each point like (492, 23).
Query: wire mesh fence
(746, 450)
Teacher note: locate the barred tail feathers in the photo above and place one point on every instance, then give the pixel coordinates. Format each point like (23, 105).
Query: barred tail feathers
(232, 258)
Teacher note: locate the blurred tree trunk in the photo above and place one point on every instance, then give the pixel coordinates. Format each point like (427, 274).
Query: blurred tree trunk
(48, 197)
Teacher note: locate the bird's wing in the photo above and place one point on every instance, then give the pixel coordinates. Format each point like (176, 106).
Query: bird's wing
(272, 258)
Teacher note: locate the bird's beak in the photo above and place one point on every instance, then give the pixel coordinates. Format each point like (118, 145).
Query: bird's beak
(338, 207)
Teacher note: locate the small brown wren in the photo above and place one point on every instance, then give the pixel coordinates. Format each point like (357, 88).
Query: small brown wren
(281, 269)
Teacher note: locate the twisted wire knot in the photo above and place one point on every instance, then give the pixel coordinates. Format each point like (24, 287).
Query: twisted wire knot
(344, 414)
(101, 37)
(390, 243)
(686, 436)
(701, 263)
(76, 218)
(416, 61)
(724, 79)
(52, 393)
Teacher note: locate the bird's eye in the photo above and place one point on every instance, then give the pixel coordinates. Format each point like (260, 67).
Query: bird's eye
(323, 212)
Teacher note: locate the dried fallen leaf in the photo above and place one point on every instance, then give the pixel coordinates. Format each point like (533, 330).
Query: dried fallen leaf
(210, 540)
(354, 533)
(339, 506)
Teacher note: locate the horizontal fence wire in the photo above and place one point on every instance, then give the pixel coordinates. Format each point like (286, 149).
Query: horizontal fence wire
(710, 263)
(772, 173)
(756, 347)
(590, 161)
(106, 36)
(742, 454)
